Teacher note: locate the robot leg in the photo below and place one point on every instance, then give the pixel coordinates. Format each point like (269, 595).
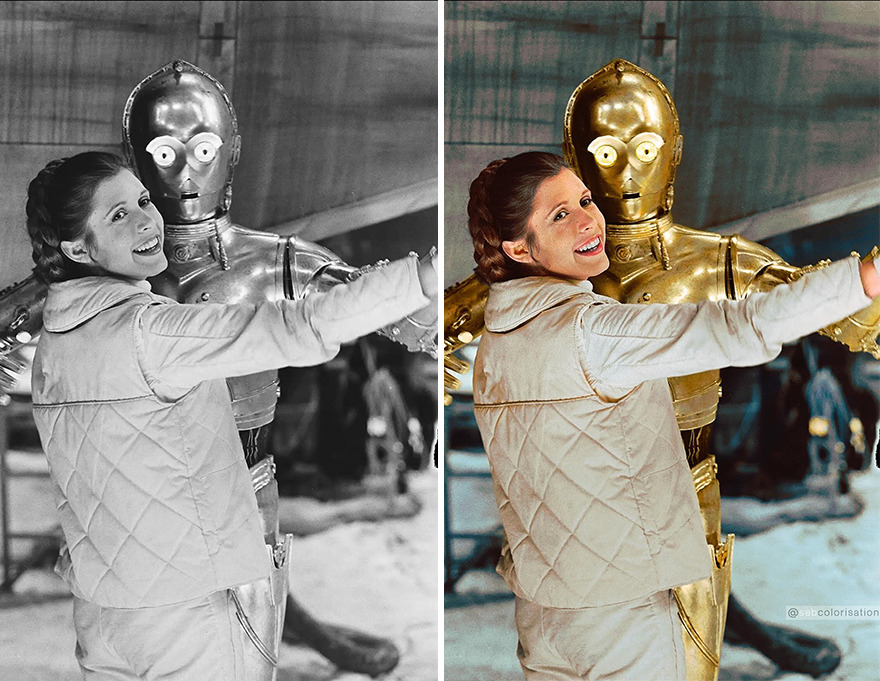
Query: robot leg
(260, 610)
(345, 647)
(702, 606)
(260, 606)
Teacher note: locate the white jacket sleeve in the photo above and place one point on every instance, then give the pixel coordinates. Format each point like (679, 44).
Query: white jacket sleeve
(182, 345)
(626, 344)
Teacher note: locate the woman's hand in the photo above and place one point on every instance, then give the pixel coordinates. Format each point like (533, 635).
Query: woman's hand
(870, 275)
(428, 275)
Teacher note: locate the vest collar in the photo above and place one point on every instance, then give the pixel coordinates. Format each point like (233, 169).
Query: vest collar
(75, 301)
(512, 303)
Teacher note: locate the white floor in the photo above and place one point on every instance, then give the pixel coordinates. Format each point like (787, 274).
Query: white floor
(378, 577)
(828, 563)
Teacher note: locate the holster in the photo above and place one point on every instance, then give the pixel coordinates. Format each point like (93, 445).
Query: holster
(259, 608)
(702, 606)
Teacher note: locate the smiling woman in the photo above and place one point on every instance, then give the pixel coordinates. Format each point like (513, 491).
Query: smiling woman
(123, 231)
(568, 229)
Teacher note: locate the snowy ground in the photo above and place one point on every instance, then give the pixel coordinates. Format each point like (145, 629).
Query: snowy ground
(828, 563)
(378, 577)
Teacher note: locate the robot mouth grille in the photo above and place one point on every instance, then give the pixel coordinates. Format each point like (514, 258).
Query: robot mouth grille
(189, 195)
(630, 195)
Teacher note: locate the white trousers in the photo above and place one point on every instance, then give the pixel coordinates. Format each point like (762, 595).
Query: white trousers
(194, 640)
(637, 640)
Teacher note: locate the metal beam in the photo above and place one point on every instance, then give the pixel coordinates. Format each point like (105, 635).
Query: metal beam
(812, 211)
(369, 211)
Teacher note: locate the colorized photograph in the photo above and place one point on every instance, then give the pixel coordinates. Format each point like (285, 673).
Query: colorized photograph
(661, 370)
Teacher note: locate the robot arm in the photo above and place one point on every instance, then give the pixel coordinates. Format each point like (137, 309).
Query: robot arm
(312, 268)
(464, 305)
(860, 331)
(751, 267)
(21, 318)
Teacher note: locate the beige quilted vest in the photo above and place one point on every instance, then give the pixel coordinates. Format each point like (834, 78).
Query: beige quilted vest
(595, 496)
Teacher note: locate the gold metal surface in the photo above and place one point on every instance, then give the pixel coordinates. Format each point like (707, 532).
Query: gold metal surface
(621, 135)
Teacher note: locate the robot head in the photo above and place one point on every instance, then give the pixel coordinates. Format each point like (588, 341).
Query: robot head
(621, 135)
(181, 134)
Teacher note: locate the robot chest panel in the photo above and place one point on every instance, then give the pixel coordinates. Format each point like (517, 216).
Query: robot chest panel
(247, 280)
(688, 281)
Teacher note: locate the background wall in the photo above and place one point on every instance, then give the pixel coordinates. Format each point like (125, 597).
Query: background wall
(779, 103)
(337, 106)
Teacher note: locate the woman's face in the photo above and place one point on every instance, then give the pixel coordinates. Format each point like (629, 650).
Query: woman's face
(568, 229)
(126, 229)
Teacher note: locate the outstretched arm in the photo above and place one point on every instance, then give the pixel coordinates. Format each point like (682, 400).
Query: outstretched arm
(753, 267)
(626, 344)
(312, 268)
(181, 345)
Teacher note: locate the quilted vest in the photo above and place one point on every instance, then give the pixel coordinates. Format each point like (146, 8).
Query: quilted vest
(595, 494)
(154, 497)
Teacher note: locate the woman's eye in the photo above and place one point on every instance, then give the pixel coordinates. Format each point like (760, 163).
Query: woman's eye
(145, 201)
(586, 201)
(561, 214)
(118, 216)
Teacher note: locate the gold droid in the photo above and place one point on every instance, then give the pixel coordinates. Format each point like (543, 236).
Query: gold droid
(622, 137)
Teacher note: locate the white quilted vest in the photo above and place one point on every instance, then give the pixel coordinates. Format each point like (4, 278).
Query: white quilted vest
(595, 496)
(154, 497)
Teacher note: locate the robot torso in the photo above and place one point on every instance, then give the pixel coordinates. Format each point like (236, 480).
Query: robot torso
(657, 261)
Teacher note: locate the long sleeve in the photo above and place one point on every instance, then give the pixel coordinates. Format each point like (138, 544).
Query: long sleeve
(626, 344)
(182, 345)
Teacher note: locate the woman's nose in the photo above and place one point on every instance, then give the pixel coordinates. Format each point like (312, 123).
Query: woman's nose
(586, 220)
(145, 221)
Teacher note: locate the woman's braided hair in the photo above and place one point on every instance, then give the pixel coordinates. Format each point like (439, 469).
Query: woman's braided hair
(58, 207)
(499, 208)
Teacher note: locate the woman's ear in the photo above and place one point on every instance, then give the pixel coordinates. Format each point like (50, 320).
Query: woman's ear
(518, 250)
(76, 251)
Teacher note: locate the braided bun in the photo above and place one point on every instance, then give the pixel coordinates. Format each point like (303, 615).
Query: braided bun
(499, 208)
(58, 207)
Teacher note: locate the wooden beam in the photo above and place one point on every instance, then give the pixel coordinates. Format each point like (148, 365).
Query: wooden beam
(369, 211)
(811, 211)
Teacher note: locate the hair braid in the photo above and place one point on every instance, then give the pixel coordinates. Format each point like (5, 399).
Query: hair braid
(58, 206)
(499, 208)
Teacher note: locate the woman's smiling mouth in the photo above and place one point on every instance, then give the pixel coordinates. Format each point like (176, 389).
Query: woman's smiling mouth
(151, 247)
(591, 247)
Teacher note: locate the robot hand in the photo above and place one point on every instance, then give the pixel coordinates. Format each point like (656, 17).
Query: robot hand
(418, 331)
(860, 331)
(464, 304)
(21, 318)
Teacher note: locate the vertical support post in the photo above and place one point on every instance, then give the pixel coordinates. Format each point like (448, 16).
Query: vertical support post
(5, 585)
(447, 506)
(218, 28)
(659, 40)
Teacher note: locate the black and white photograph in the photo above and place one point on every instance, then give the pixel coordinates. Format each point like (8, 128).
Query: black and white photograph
(219, 375)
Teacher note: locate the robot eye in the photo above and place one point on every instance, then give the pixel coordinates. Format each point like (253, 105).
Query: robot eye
(164, 156)
(646, 152)
(605, 155)
(205, 152)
